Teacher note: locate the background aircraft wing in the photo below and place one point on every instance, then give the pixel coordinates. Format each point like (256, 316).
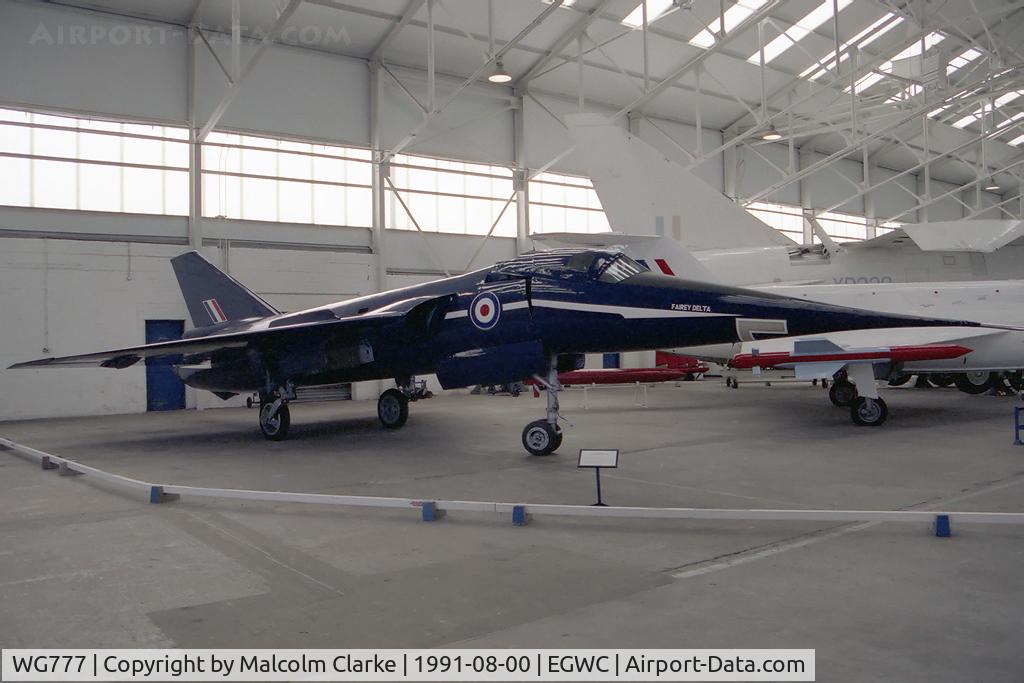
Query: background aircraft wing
(983, 236)
(414, 316)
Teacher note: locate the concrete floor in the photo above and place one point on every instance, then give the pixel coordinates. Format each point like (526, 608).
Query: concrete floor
(84, 565)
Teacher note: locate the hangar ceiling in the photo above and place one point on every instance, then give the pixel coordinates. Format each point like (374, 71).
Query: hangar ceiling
(926, 87)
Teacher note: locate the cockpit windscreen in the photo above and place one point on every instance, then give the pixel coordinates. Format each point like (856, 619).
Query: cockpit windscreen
(616, 268)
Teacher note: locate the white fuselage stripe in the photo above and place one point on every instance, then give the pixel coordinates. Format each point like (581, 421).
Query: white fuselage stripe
(629, 312)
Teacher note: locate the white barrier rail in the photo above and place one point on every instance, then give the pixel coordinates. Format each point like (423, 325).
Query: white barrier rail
(520, 512)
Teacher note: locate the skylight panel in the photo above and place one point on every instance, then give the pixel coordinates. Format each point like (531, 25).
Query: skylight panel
(810, 21)
(1017, 140)
(733, 16)
(871, 33)
(954, 65)
(962, 60)
(980, 111)
(655, 8)
(914, 50)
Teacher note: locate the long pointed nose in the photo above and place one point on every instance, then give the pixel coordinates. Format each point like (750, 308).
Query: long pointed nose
(769, 314)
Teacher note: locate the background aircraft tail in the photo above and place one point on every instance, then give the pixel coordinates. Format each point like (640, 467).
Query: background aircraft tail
(213, 296)
(643, 192)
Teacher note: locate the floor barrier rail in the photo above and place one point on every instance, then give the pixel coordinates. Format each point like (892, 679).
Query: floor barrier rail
(520, 513)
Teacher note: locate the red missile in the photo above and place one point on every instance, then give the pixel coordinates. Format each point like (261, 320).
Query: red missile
(744, 361)
(623, 375)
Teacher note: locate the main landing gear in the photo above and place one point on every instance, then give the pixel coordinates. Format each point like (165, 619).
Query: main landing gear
(543, 437)
(842, 393)
(275, 418)
(393, 404)
(865, 410)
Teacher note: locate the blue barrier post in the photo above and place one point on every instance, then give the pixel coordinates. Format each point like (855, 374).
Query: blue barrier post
(429, 509)
(1017, 426)
(942, 528)
(519, 515)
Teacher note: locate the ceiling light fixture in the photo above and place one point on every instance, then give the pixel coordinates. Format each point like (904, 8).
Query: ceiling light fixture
(499, 75)
(771, 135)
(992, 186)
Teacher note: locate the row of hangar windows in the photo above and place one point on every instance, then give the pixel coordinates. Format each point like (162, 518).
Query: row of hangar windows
(64, 162)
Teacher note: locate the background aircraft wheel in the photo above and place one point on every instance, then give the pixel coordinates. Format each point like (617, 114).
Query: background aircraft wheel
(275, 427)
(868, 412)
(392, 409)
(540, 438)
(899, 380)
(1014, 379)
(842, 394)
(974, 382)
(941, 379)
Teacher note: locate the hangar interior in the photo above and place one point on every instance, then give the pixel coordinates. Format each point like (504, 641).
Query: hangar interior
(320, 150)
(362, 145)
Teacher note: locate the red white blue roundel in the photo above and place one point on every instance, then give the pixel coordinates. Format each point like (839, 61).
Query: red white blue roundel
(485, 310)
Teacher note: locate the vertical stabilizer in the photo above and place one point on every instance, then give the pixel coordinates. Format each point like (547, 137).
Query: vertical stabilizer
(213, 296)
(643, 192)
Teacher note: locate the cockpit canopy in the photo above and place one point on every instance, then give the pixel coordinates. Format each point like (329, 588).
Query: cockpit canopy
(570, 264)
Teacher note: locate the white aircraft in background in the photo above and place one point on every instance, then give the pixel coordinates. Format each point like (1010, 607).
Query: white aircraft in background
(644, 193)
(853, 360)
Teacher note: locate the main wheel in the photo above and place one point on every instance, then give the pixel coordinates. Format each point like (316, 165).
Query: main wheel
(977, 382)
(392, 409)
(842, 393)
(868, 412)
(275, 427)
(899, 380)
(541, 438)
(941, 379)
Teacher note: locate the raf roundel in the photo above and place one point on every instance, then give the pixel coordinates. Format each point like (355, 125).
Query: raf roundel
(485, 310)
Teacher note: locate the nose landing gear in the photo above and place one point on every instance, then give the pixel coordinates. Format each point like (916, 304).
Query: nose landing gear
(543, 437)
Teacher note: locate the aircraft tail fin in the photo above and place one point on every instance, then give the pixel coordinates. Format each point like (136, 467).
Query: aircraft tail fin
(212, 296)
(644, 192)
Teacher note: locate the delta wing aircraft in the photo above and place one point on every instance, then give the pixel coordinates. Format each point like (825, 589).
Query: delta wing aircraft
(531, 316)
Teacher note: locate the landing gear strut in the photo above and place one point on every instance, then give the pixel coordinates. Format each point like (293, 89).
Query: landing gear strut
(275, 418)
(543, 437)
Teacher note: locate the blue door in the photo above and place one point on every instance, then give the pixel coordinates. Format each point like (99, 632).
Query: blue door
(164, 391)
(612, 360)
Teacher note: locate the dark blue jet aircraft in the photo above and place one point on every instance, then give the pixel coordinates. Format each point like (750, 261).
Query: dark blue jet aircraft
(532, 316)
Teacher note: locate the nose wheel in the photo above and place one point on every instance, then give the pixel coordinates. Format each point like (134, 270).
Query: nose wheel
(543, 437)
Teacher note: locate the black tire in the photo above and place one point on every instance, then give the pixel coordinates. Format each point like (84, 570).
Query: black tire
(540, 438)
(975, 382)
(842, 394)
(392, 409)
(941, 380)
(275, 428)
(899, 380)
(868, 412)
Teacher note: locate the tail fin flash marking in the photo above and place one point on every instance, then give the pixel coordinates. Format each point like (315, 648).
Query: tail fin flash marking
(212, 296)
(663, 265)
(215, 311)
